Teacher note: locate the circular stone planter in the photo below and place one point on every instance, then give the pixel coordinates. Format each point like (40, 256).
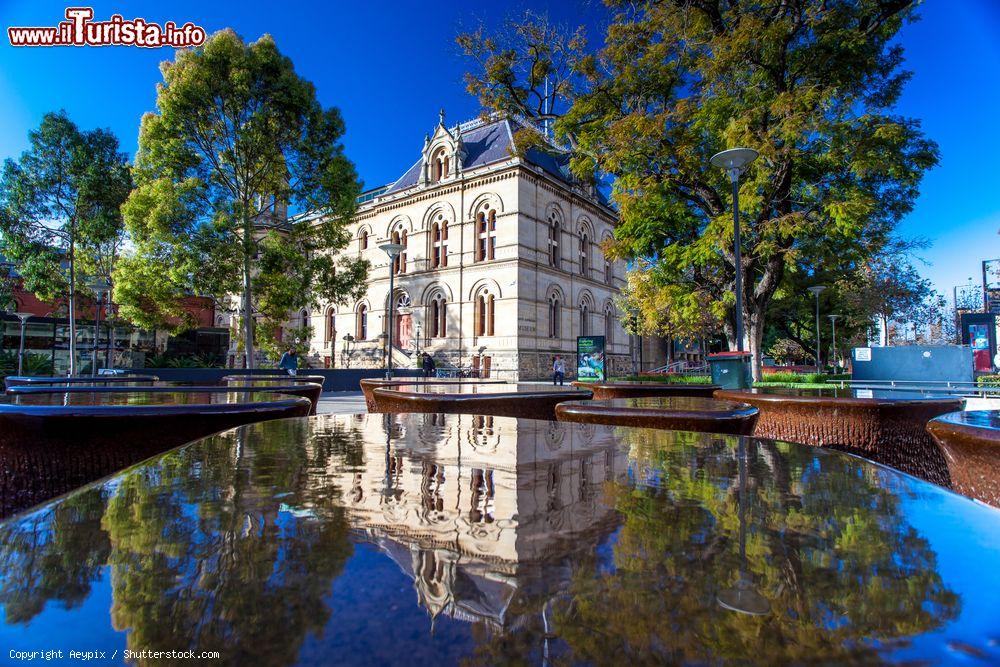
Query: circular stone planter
(500, 400)
(607, 390)
(971, 444)
(51, 443)
(888, 427)
(19, 380)
(309, 390)
(678, 413)
(369, 385)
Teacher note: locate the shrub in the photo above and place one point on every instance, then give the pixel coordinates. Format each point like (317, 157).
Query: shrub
(988, 380)
(669, 377)
(34, 364)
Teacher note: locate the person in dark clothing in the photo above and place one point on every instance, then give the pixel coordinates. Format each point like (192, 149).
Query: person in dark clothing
(427, 363)
(558, 371)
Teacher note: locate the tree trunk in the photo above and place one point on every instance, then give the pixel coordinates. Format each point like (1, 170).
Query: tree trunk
(755, 336)
(72, 297)
(884, 334)
(248, 343)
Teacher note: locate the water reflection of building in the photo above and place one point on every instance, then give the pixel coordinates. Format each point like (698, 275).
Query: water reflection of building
(479, 510)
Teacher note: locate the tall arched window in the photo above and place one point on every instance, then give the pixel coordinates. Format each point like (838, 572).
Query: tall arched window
(554, 315)
(584, 319)
(609, 326)
(399, 264)
(361, 332)
(304, 319)
(439, 317)
(486, 235)
(554, 227)
(485, 311)
(439, 165)
(584, 254)
(363, 240)
(439, 242)
(608, 272)
(329, 325)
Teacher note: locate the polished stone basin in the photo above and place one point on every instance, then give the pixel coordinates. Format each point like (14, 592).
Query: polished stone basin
(369, 385)
(881, 425)
(529, 401)
(678, 413)
(51, 443)
(607, 390)
(437, 539)
(17, 380)
(971, 444)
(301, 377)
(309, 390)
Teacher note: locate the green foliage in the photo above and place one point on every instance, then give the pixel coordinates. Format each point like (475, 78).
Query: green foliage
(165, 360)
(34, 364)
(237, 138)
(988, 380)
(669, 378)
(808, 378)
(809, 84)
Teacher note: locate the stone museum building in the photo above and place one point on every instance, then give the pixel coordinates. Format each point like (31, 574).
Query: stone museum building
(502, 267)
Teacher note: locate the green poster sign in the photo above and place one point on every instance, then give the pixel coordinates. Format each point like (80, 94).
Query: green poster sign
(590, 358)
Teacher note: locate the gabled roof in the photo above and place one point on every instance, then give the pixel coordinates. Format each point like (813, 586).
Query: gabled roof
(488, 143)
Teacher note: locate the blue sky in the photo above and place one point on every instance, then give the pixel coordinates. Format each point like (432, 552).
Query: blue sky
(390, 66)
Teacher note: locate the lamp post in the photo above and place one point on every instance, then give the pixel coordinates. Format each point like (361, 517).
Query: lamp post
(817, 290)
(24, 317)
(735, 161)
(393, 250)
(836, 359)
(100, 287)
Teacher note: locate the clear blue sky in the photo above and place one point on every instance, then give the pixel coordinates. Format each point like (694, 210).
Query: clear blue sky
(390, 66)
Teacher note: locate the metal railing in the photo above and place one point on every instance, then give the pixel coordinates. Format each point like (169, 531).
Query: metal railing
(922, 386)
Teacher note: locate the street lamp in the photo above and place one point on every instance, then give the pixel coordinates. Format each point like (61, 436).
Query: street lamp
(735, 161)
(836, 359)
(817, 290)
(348, 339)
(393, 250)
(24, 317)
(100, 287)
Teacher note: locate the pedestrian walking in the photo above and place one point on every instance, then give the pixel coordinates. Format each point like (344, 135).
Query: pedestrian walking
(558, 371)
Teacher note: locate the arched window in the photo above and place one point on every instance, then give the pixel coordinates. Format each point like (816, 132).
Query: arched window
(363, 240)
(439, 165)
(486, 235)
(439, 242)
(609, 326)
(584, 319)
(399, 264)
(554, 228)
(304, 320)
(584, 254)
(554, 315)
(329, 325)
(485, 311)
(439, 317)
(609, 275)
(361, 332)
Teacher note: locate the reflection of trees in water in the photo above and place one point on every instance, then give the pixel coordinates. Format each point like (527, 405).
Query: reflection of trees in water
(826, 545)
(236, 557)
(53, 555)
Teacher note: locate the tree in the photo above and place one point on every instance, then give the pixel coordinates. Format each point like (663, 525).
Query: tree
(809, 84)
(63, 196)
(237, 138)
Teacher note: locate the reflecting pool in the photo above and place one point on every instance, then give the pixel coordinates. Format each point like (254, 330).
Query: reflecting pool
(439, 539)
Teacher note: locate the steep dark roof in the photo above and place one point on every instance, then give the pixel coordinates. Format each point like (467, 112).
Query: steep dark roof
(487, 144)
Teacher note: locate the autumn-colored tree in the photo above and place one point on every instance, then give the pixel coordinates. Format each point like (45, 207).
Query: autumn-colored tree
(809, 84)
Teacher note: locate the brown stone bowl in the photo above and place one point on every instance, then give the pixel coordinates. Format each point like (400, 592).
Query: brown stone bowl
(607, 390)
(677, 413)
(315, 379)
(309, 390)
(369, 385)
(20, 380)
(500, 400)
(971, 445)
(52, 443)
(888, 427)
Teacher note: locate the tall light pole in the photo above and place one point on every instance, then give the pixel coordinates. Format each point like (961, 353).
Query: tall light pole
(836, 359)
(100, 287)
(24, 317)
(735, 161)
(817, 290)
(393, 250)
